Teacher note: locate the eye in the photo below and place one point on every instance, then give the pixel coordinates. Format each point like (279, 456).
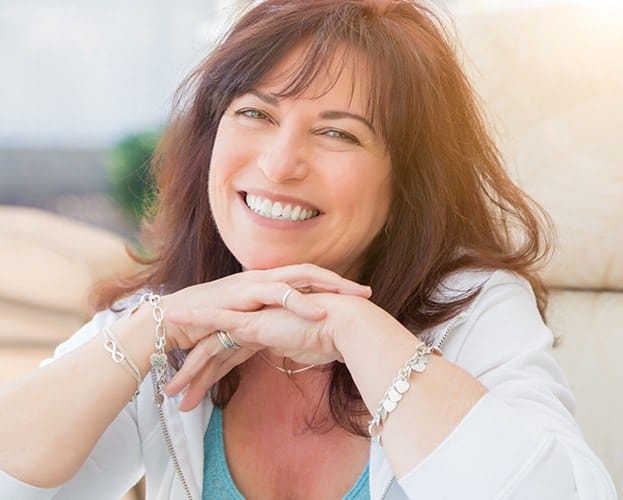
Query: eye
(253, 113)
(339, 134)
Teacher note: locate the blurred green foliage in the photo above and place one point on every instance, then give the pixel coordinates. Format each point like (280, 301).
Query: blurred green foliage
(128, 170)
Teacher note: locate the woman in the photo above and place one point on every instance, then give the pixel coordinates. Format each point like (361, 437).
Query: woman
(321, 145)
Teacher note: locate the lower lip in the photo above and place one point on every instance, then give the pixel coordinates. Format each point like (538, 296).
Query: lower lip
(276, 223)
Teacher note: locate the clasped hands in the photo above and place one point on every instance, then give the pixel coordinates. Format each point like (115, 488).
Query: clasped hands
(249, 306)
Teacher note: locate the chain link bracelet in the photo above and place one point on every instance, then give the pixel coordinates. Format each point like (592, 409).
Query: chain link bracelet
(400, 385)
(158, 360)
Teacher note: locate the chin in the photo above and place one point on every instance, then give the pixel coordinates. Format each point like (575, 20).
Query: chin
(262, 261)
(265, 260)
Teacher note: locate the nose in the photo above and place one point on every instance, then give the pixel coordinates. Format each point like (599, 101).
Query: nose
(282, 158)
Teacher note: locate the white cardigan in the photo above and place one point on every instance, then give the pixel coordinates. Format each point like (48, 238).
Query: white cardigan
(520, 440)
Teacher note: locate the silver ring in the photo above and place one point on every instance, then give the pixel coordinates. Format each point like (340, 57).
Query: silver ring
(285, 297)
(226, 340)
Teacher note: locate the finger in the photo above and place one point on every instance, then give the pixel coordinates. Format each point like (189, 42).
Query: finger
(259, 295)
(190, 318)
(304, 287)
(302, 305)
(309, 275)
(203, 352)
(209, 375)
(207, 319)
(283, 295)
(246, 327)
(199, 386)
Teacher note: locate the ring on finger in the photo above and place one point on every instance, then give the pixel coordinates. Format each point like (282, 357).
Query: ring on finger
(226, 340)
(285, 297)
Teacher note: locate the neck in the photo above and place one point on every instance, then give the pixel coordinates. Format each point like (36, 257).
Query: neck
(281, 363)
(305, 386)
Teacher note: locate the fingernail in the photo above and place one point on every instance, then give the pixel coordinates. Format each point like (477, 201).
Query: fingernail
(167, 390)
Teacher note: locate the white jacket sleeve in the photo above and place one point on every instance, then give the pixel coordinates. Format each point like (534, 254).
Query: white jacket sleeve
(115, 463)
(520, 441)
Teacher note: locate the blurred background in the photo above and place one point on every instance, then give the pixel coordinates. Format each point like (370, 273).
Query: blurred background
(85, 88)
(85, 81)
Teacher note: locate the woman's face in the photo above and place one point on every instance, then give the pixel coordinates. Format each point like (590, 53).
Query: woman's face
(299, 180)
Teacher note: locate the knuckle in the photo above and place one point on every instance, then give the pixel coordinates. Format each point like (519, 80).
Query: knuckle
(298, 269)
(179, 337)
(192, 317)
(250, 330)
(307, 267)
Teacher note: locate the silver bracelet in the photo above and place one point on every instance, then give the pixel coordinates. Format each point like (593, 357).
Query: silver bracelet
(400, 385)
(158, 360)
(120, 355)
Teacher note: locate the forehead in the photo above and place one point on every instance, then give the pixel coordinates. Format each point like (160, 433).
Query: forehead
(341, 79)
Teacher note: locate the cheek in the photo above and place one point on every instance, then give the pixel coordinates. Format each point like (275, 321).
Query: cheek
(226, 159)
(222, 154)
(362, 196)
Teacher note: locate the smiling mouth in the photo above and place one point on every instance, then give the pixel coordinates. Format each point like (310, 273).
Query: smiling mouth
(277, 210)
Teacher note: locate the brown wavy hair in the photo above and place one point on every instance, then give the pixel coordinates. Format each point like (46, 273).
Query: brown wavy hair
(453, 205)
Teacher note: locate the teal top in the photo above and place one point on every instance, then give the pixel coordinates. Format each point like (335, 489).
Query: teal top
(217, 481)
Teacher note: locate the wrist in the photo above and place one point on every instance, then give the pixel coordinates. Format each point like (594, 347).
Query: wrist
(136, 333)
(347, 326)
(364, 330)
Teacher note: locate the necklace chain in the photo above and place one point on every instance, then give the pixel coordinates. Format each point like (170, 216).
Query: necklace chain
(287, 371)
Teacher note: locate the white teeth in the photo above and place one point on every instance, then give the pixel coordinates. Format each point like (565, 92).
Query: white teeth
(294, 216)
(265, 208)
(277, 210)
(287, 210)
(249, 199)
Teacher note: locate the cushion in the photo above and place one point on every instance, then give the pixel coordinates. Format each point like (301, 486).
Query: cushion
(590, 339)
(551, 82)
(49, 261)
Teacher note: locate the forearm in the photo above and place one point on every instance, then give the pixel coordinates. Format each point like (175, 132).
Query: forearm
(52, 418)
(435, 403)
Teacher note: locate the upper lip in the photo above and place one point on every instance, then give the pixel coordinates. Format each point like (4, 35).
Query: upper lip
(283, 198)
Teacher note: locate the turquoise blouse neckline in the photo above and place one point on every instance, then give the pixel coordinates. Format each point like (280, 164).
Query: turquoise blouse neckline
(217, 480)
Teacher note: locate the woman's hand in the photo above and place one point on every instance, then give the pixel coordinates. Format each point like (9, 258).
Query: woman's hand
(253, 290)
(241, 293)
(280, 331)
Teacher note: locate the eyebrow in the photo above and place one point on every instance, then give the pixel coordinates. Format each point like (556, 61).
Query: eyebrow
(268, 98)
(326, 115)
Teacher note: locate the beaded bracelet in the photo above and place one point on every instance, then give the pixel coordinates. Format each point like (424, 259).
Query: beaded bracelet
(400, 385)
(120, 355)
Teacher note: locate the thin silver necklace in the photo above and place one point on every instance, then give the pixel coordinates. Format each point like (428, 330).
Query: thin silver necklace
(287, 371)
